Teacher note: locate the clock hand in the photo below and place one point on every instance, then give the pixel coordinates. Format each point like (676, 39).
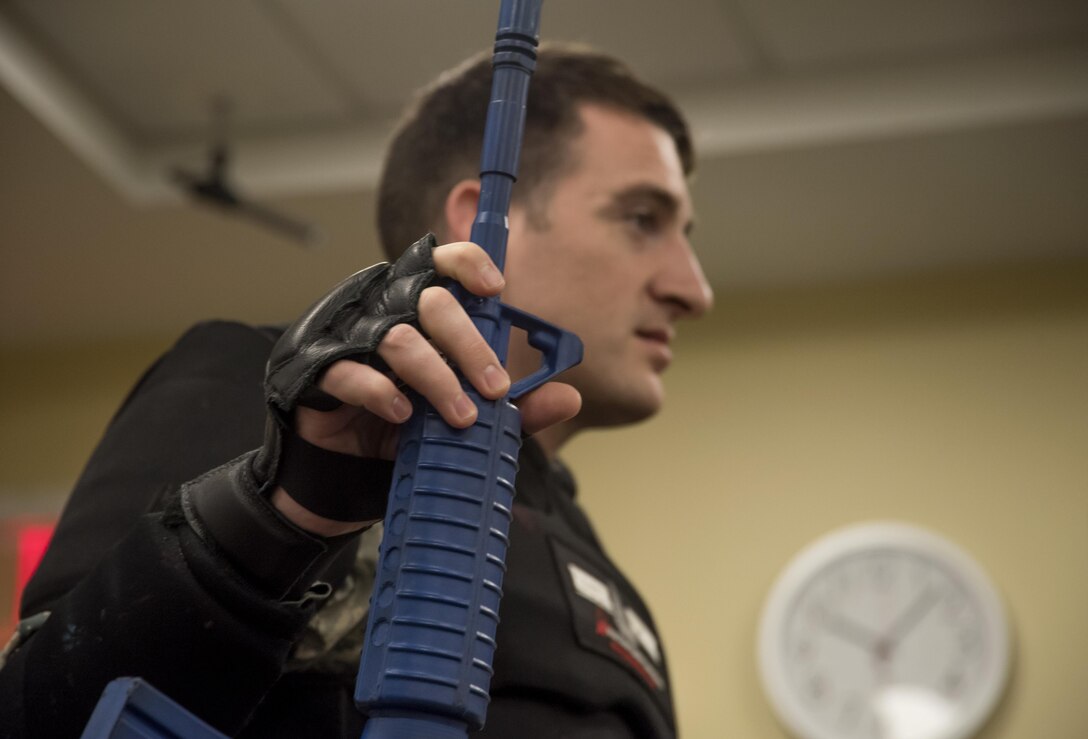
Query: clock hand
(850, 631)
(913, 614)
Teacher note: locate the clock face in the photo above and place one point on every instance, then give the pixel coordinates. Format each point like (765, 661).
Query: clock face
(883, 631)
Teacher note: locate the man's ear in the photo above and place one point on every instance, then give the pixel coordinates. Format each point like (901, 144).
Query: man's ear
(460, 210)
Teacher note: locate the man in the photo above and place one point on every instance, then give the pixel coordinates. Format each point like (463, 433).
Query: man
(237, 581)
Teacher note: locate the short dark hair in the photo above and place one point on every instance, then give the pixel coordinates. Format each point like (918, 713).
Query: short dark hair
(437, 143)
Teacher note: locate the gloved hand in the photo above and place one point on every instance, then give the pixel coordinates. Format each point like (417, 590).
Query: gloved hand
(337, 475)
(322, 474)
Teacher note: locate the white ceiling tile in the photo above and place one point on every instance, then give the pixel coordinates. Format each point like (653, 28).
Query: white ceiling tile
(388, 50)
(806, 34)
(671, 44)
(155, 66)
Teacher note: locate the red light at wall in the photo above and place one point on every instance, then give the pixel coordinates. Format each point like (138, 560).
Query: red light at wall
(30, 539)
(30, 544)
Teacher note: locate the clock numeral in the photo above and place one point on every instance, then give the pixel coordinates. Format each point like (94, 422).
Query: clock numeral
(969, 641)
(953, 605)
(952, 683)
(844, 581)
(819, 689)
(805, 650)
(883, 573)
(850, 714)
(921, 576)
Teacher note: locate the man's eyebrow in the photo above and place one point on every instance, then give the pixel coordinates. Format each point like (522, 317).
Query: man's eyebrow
(661, 198)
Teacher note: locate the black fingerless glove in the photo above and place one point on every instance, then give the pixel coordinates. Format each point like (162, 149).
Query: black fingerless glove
(229, 506)
(348, 323)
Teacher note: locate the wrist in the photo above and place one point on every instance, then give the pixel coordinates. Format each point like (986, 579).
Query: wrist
(316, 488)
(226, 509)
(309, 521)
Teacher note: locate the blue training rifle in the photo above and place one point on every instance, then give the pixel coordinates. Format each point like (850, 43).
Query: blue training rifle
(426, 666)
(430, 640)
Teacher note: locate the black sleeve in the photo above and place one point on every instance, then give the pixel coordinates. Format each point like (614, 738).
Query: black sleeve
(130, 595)
(200, 405)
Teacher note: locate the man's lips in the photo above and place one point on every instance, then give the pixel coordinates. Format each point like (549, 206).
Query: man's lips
(658, 340)
(660, 335)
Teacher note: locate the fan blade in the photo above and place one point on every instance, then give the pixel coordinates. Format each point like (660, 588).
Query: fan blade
(213, 190)
(305, 233)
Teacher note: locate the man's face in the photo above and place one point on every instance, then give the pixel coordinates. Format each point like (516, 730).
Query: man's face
(611, 262)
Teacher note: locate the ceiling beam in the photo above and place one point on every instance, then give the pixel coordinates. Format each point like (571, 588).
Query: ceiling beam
(803, 111)
(71, 116)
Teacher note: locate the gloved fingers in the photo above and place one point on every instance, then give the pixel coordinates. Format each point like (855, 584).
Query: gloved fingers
(350, 321)
(450, 329)
(419, 366)
(469, 264)
(362, 386)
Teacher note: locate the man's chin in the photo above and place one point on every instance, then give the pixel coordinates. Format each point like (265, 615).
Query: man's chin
(620, 410)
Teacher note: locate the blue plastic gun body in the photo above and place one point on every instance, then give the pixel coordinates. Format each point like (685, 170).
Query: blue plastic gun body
(430, 641)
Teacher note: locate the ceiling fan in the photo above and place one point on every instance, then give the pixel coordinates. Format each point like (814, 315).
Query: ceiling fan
(213, 187)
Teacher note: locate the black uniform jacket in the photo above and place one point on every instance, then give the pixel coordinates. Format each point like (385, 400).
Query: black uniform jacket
(130, 594)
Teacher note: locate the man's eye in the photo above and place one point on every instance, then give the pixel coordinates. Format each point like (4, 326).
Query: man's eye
(644, 220)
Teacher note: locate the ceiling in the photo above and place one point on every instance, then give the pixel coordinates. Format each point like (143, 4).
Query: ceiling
(840, 141)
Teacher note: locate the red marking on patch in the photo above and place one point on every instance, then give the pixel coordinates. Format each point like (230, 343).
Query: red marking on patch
(629, 659)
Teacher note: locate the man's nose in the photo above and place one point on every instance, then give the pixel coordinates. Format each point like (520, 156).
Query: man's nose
(682, 283)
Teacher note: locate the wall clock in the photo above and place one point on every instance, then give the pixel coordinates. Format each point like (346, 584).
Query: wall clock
(883, 631)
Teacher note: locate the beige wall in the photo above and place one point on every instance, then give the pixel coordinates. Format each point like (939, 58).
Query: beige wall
(55, 402)
(959, 403)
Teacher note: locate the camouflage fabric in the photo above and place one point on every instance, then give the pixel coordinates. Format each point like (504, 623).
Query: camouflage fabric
(334, 637)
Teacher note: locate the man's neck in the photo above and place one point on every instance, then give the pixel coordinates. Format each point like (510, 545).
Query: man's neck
(552, 439)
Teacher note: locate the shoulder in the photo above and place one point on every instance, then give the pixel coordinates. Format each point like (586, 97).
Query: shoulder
(224, 353)
(220, 348)
(227, 335)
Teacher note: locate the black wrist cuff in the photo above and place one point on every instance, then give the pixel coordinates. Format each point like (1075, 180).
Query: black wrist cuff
(341, 487)
(226, 510)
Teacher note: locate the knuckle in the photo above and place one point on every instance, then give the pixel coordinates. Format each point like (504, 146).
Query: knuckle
(336, 375)
(434, 298)
(457, 255)
(478, 350)
(400, 336)
(347, 381)
(463, 249)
